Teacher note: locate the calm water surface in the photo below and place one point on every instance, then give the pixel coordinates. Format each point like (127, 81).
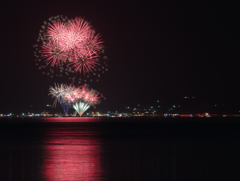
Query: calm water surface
(68, 149)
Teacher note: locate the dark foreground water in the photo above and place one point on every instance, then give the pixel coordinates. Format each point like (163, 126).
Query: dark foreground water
(120, 149)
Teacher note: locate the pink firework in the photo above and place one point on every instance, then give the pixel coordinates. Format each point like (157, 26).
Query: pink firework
(76, 94)
(94, 42)
(53, 53)
(84, 61)
(74, 43)
(55, 31)
(81, 28)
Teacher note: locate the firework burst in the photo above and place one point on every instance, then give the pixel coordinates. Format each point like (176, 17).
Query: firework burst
(59, 93)
(53, 53)
(80, 97)
(70, 40)
(70, 48)
(84, 61)
(81, 107)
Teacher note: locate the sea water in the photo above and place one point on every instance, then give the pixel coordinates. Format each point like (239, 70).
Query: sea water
(69, 149)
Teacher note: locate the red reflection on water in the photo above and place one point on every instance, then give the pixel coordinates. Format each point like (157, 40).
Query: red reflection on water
(71, 119)
(72, 157)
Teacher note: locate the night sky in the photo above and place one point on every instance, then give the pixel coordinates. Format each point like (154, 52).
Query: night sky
(156, 51)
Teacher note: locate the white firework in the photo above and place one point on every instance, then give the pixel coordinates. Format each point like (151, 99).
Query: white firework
(81, 107)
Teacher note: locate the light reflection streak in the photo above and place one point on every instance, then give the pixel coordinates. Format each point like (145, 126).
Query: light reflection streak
(72, 157)
(71, 119)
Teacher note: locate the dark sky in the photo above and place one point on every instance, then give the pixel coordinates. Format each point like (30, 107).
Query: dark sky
(156, 51)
